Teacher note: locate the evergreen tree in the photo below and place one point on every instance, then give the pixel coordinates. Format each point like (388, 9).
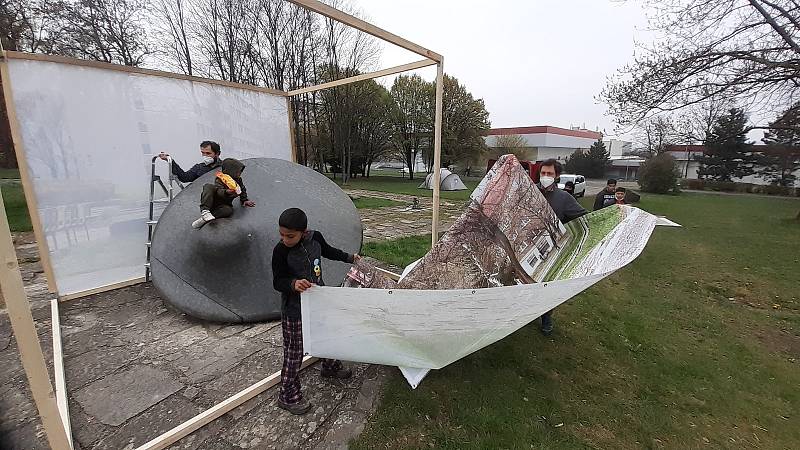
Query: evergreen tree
(659, 174)
(578, 163)
(597, 159)
(782, 157)
(728, 153)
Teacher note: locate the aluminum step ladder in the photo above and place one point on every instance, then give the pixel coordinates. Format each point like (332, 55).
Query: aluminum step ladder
(168, 190)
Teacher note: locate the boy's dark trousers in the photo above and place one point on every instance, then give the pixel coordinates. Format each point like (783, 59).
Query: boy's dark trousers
(212, 200)
(292, 359)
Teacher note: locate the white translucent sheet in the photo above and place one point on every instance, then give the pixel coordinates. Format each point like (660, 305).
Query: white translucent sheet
(89, 135)
(420, 330)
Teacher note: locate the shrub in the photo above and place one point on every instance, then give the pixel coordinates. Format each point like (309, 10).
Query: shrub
(659, 174)
(694, 184)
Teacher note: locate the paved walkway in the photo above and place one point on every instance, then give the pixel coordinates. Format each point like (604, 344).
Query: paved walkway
(136, 368)
(395, 222)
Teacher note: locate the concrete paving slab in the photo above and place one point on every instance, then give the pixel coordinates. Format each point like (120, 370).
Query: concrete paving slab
(121, 396)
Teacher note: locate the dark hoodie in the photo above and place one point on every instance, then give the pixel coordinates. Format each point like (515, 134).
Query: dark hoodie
(298, 262)
(234, 168)
(195, 171)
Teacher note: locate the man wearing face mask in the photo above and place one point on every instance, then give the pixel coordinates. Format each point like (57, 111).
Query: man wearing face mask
(565, 207)
(209, 150)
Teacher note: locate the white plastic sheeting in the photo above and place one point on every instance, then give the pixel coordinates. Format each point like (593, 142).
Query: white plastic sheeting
(89, 135)
(420, 330)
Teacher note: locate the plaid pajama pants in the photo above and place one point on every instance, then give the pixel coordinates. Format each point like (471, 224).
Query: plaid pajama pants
(292, 359)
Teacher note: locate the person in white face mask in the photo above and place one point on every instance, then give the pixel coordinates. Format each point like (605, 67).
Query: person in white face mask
(209, 151)
(565, 207)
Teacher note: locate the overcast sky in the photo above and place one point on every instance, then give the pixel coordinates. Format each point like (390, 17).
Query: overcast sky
(534, 62)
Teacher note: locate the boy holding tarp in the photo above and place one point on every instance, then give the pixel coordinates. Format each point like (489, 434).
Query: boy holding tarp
(296, 267)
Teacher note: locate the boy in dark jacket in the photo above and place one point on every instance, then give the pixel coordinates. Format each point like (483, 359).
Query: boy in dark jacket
(216, 201)
(297, 266)
(619, 196)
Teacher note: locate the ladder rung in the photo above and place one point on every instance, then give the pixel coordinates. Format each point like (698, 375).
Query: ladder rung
(148, 243)
(152, 222)
(147, 265)
(161, 200)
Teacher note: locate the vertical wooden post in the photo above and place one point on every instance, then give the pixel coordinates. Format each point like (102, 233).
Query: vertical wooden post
(437, 152)
(292, 125)
(30, 350)
(58, 370)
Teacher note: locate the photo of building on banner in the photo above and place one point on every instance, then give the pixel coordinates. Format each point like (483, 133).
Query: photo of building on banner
(505, 261)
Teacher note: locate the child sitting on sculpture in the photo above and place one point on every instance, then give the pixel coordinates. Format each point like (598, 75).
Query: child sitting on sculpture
(216, 201)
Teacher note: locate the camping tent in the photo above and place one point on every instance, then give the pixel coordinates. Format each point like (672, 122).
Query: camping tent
(449, 182)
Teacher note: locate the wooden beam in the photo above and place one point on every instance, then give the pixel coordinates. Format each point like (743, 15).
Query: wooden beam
(97, 290)
(292, 125)
(366, 27)
(365, 76)
(25, 175)
(218, 410)
(138, 70)
(30, 349)
(388, 274)
(437, 153)
(58, 371)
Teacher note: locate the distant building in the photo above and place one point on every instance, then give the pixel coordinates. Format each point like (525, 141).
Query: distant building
(624, 168)
(686, 159)
(688, 166)
(616, 147)
(543, 142)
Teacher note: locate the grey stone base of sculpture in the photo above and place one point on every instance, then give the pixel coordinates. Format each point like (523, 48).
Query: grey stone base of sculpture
(222, 272)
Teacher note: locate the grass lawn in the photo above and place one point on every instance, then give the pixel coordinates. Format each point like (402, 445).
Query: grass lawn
(9, 174)
(374, 202)
(695, 344)
(399, 185)
(399, 252)
(16, 207)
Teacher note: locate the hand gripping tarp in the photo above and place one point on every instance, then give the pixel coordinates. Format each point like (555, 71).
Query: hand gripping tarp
(422, 329)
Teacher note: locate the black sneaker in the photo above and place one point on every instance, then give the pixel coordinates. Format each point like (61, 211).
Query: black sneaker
(340, 373)
(297, 409)
(547, 325)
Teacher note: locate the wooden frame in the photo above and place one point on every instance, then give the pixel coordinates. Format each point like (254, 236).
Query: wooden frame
(365, 76)
(30, 349)
(99, 289)
(292, 125)
(55, 417)
(58, 370)
(437, 153)
(137, 70)
(217, 411)
(355, 22)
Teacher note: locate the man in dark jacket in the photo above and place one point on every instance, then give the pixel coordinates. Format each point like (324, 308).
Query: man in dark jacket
(209, 150)
(216, 201)
(565, 207)
(606, 196)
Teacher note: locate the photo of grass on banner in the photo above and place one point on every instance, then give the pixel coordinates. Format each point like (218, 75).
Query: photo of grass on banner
(506, 260)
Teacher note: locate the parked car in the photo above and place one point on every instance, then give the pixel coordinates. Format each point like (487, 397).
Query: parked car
(578, 180)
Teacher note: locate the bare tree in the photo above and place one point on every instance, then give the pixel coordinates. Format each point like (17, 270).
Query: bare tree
(511, 143)
(107, 30)
(653, 135)
(744, 50)
(174, 17)
(225, 32)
